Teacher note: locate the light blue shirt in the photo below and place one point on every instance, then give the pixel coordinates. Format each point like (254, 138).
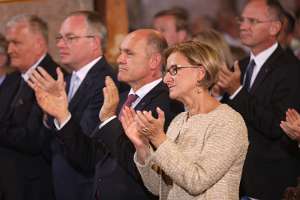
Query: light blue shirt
(2, 79)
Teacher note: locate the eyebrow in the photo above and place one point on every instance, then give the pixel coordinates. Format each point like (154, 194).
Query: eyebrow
(126, 50)
(67, 34)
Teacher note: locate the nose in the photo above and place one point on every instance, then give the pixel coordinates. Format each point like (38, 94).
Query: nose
(60, 43)
(244, 25)
(10, 48)
(167, 79)
(121, 58)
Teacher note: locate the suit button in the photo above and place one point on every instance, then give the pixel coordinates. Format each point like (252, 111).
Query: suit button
(99, 179)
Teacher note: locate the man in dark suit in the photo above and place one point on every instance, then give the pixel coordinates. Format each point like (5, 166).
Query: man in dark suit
(110, 151)
(80, 41)
(25, 174)
(267, 85)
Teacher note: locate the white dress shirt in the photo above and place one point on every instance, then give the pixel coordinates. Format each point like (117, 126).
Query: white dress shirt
(81, 74)
(259, 60)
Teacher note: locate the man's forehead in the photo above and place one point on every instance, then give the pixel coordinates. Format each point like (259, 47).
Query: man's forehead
(74, 22)
(132, 41)
(17, 30)
(72, 28)
(256, 8)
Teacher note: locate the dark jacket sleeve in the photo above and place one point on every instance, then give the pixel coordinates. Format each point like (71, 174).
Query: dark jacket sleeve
(82, 151)
(264, 109)
(118, 144)
(25, 132)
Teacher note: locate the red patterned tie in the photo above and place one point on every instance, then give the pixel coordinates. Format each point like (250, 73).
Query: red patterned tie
(130, 99)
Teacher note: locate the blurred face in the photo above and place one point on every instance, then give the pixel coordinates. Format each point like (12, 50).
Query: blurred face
(167, 26)
(284, 37)
(3, 59)
(183, 83)
(74, 43)
(133, 61)
(23, 46)
(257, 28)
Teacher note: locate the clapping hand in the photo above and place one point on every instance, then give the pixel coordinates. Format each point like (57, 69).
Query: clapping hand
(151, 127)
(141, 143)
(230, 81)
(50, 93)
(111, 100)
(292, 124)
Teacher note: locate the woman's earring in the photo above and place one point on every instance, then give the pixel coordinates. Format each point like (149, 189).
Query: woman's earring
(199, 88)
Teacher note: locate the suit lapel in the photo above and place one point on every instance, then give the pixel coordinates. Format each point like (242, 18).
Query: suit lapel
(265, 70)
(146, 100)
(123, 98)
(9, 89)
(24, 95)
(68, 80)
(85, 84)
(80, 93)
(153, 93)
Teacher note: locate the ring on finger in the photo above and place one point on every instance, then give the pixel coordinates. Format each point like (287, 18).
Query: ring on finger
(145, 129)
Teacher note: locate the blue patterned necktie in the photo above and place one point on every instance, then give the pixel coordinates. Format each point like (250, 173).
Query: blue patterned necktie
(248, 75)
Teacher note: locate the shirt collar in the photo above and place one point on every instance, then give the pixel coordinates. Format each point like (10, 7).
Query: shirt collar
(261, 58)
(82, 72)
(27, 74)
(145, 89)
(2, 77)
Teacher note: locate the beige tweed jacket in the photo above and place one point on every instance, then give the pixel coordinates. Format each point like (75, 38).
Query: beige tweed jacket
(202, 157)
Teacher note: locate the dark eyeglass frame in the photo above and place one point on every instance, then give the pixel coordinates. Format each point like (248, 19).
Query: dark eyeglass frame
(252, 21)
(70, 38)
(173, 69)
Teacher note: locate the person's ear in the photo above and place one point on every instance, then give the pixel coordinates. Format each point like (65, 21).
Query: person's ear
(201, 73)
(275, 28)
(97, 42)
(182, 35)
(155, 60)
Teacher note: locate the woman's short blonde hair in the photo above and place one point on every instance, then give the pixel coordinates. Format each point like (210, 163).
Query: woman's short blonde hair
(198, 53)
(217, 41)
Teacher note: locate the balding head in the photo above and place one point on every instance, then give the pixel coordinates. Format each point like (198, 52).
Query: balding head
(141, 58)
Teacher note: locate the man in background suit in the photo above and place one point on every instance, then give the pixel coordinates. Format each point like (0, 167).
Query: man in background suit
(80, 41)
(110, 152)
(173, 24)
(25, 174)
(267, 85)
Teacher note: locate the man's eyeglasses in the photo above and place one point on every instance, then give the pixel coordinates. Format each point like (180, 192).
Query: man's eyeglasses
(251, 21)
(70, 39)
(174, 68)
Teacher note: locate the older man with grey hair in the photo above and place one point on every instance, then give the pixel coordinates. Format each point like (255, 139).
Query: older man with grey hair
(24, 171)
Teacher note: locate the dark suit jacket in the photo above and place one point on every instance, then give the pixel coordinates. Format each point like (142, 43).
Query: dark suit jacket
(111, 152)
(84, 107)
(271, 164)
(24, 171)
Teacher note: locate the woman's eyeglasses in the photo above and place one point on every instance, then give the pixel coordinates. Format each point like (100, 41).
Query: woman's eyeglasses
(173, 69)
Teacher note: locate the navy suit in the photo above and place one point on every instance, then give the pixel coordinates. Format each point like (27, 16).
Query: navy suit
(271, 163)
(25, 172)
(111, 152)
(84, 107)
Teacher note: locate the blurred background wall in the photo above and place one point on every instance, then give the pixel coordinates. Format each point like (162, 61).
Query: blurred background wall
(119, 15)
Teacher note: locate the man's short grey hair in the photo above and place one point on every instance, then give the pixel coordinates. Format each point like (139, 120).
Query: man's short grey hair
(94, 23)
(36, 24)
